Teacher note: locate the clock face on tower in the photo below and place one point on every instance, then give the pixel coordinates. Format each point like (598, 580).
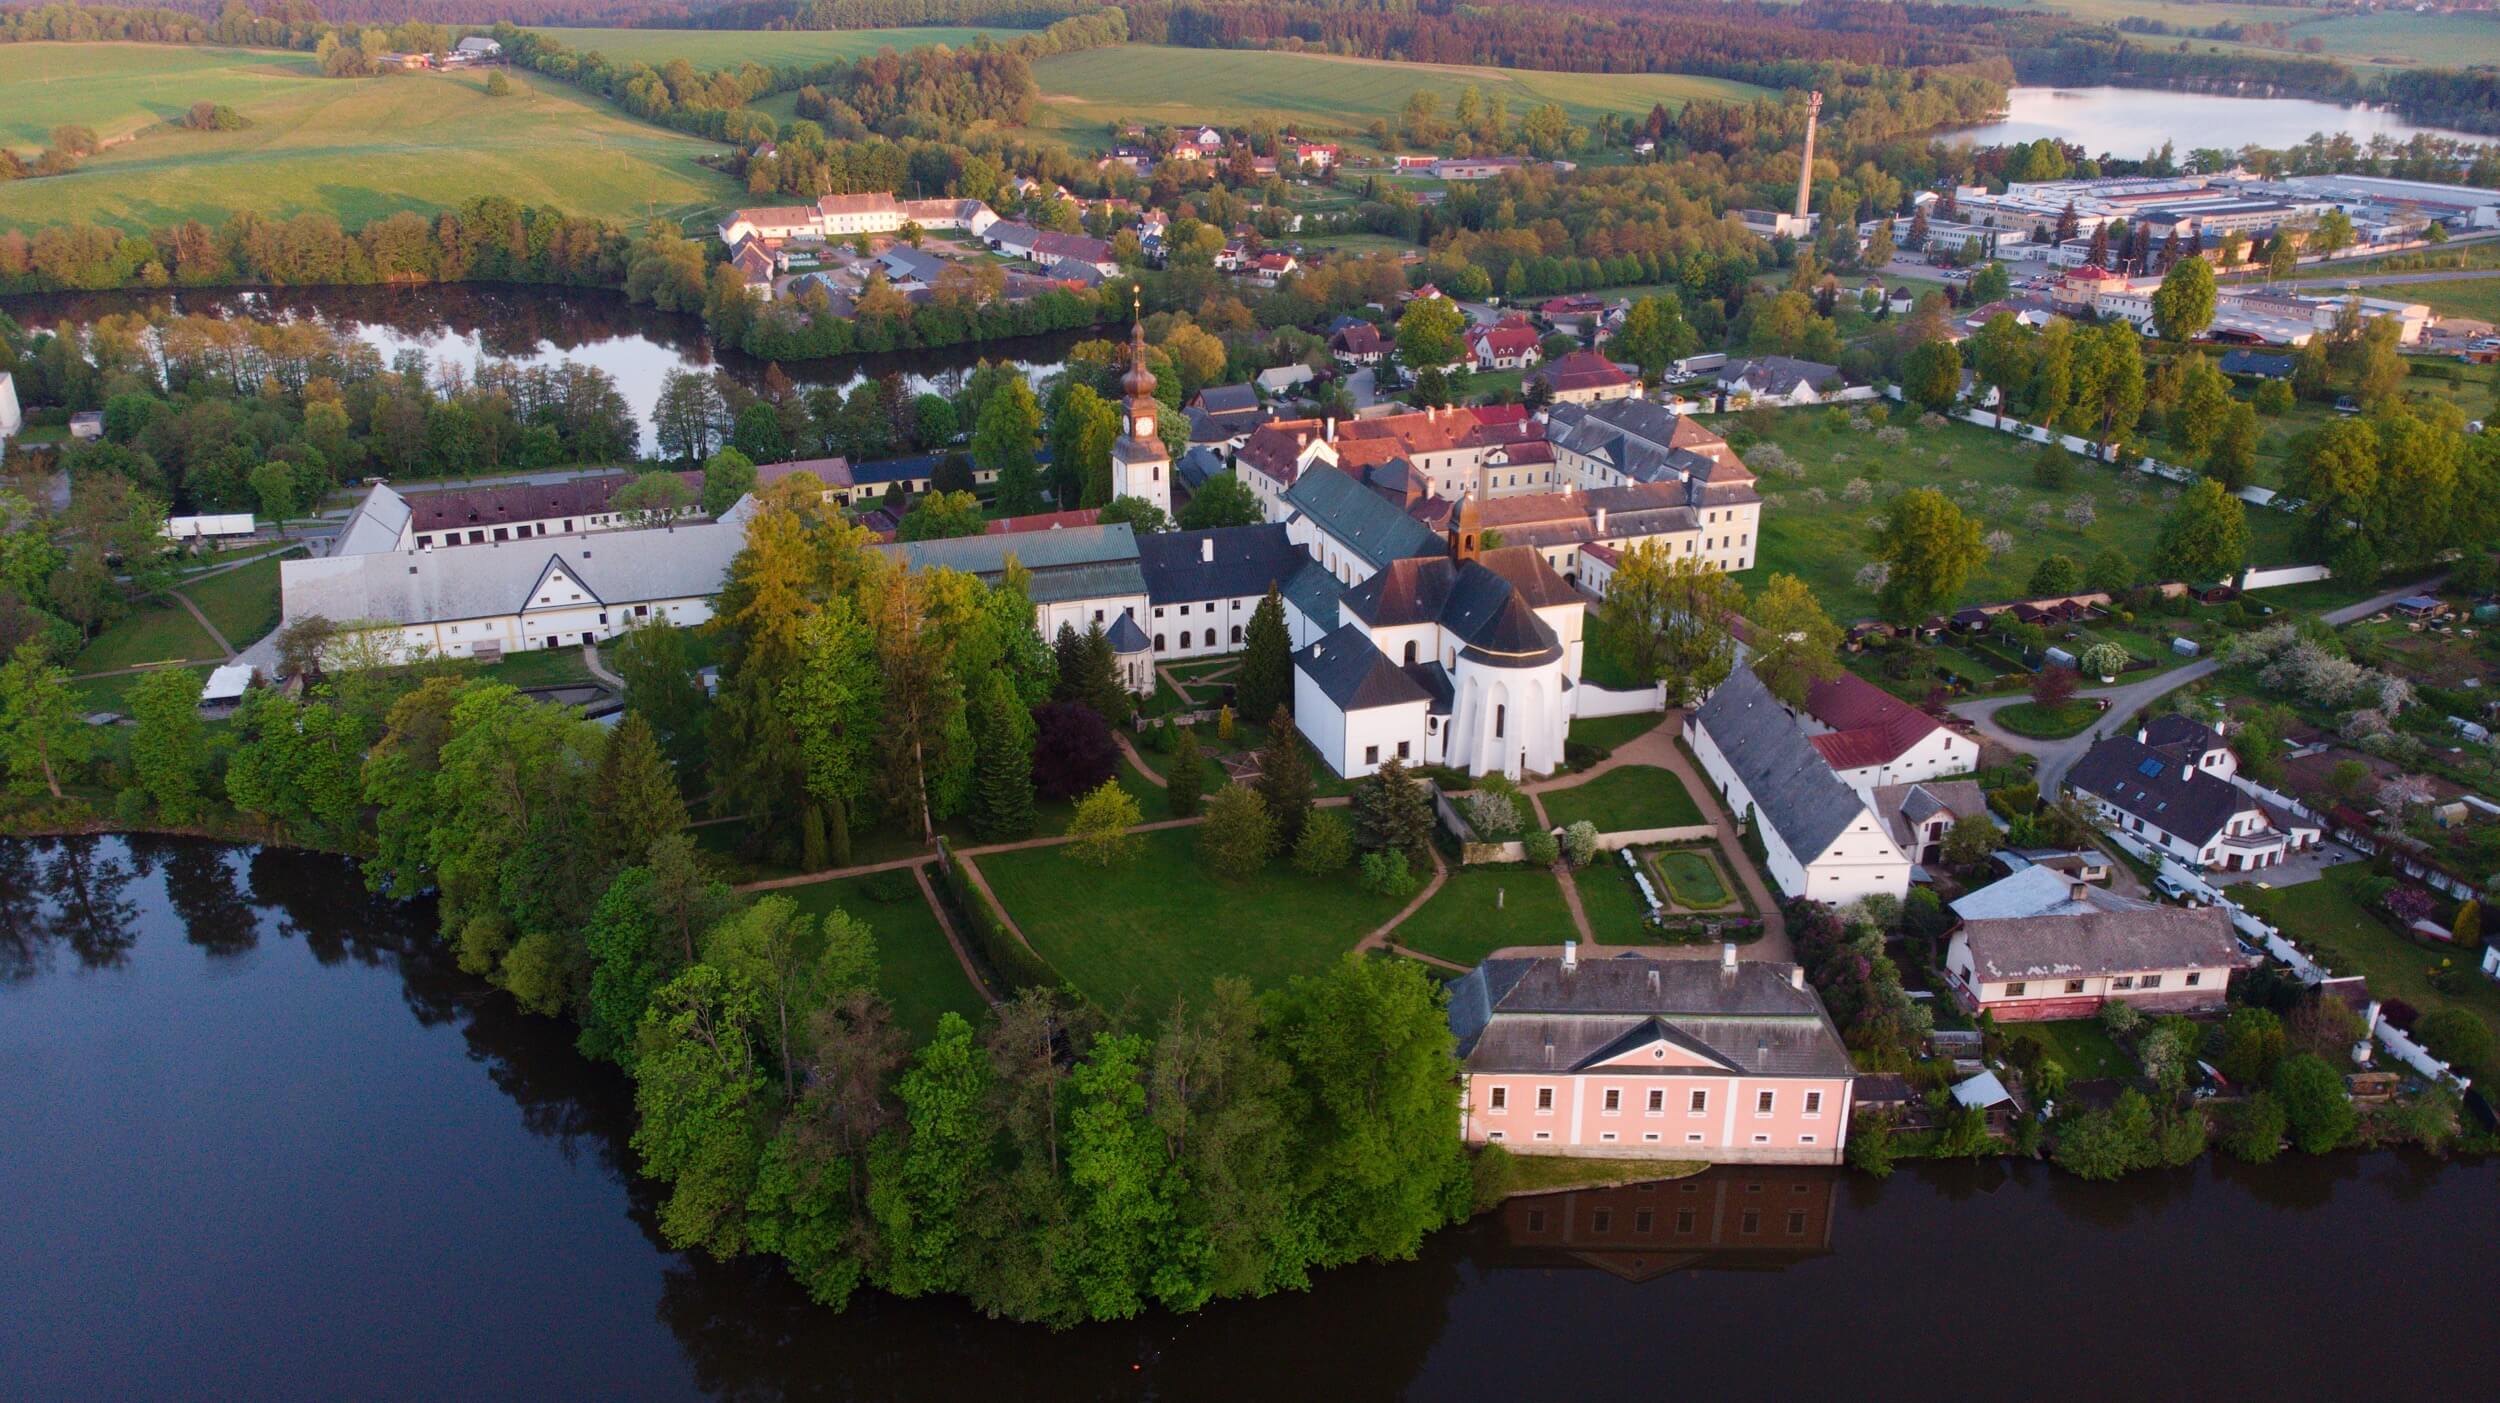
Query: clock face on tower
(1145, 427)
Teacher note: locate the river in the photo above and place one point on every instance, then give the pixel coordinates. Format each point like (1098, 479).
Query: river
(262, 1140)
(2130, 122)
(462, 323)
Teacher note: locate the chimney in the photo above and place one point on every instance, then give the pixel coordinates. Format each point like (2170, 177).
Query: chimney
(2143, 735)
(1601, 521)
(1206, 550)
(2187, 769)
(2078, 890)
(1328, 429)
(1654, 982)
(1805, 167)
(1797, 977)
(1727, 957)
(1571, 956)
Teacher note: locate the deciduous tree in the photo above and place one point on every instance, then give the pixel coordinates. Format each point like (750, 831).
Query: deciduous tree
(1795, 644)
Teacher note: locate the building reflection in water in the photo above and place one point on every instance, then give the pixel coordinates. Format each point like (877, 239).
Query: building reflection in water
(1740, 1218)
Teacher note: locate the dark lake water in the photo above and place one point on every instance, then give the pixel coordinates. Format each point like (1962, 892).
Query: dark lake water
(465, 323)
(259, 1139)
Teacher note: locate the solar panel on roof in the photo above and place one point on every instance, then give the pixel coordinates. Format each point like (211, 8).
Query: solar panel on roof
(2148, 767)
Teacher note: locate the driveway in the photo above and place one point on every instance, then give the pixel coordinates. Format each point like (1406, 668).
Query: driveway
(2056, 757)
(2295, 868)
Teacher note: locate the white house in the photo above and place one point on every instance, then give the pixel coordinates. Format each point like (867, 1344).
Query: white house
(12, 418)
(1822, 838)
(1781, 380)
(1203, 586)
(1352, 531)
(2170, 786)
(501, 597)
(1872, 738)
(2043, 944)
(1464, 662)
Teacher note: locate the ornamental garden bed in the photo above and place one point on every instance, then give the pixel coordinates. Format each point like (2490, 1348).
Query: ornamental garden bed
(1693, 880)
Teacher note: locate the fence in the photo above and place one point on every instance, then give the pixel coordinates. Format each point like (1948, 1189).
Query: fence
(1588, 699)
(1643, 837)
(2283, 575)
(2007, 424)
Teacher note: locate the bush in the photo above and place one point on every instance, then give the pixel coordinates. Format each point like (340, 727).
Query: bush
(1494, 813)
(2456, 1036)
(1492, 1174)
(1235, 838)
(1870, 1145)
(2253, 1133)
(1385, 874)
(1579, 843)
(2319, 1114)
(1544, 850)
(2103, 1145)
(2121, 1018)
(1326, 844)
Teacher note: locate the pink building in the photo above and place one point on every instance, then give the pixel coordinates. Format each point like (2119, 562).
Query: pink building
(1730, 1061)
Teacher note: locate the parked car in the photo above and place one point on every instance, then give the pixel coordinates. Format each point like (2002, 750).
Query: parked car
(2346, 404)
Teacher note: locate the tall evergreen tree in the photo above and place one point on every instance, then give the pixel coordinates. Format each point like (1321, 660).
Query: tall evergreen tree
(1393, 814)
(1266, 680)
(1002, 738)
(1285, 778)
(1186, 780)
(1098, 682)
(633, 797)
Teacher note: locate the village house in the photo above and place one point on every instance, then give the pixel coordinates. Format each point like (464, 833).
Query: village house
(1731, 1061)
(1781, 380)
(1872, 738)
(1508, 344)
(2170, 787)
(843, 216)
(1920, 815)
(388, 520)
(1358, 344)
(1633, 441)
(1223, 415)
(1586, 377)
(1823, 839)
(2041, 944)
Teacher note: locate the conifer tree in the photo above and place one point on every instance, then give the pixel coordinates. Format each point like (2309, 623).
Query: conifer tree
(1285, 779)
(633, 799)
(1002, 795)
(1266, 681)
(1186, 781)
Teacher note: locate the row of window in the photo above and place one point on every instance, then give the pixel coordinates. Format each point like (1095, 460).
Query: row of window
(1765, 1102)
(1208, 643)
(2191, 979)
(1650, 1137)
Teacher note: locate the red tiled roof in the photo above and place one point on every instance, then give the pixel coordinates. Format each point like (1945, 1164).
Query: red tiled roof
(1043, 521)
(1869, 725)
(1583, 370)
(1272, 448)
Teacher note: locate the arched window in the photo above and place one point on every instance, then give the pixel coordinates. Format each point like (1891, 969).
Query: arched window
(1236, 634)
(1210, 638)
(1500, 714)
(1410, 652)
(1158, 642)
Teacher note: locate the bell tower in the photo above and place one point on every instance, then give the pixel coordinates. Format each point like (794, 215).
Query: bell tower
(1139, 466)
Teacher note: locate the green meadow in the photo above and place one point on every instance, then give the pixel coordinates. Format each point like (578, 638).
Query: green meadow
(356, 148)
(776, 48)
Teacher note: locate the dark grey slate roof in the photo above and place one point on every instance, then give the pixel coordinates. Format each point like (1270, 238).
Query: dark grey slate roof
(2161, 789)
(1316, 593)
(1361, 520)
(1126, 637)
(1074, 562)
(2256, 363)
(1529, 1014)
(1196, 466)
(1435, 680)
(1779, 374)
(1227, 399)
(1246, 561)
(1351, 672)
(1485, 609)
(1791, 784)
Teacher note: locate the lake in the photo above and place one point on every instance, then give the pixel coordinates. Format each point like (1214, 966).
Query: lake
(462, 323)
(2130, 122)
(263, 1140)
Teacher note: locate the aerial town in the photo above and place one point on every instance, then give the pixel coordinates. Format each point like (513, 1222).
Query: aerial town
(1087, 696)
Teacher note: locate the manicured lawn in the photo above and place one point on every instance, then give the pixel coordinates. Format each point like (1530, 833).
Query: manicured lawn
(157, 631)
(2083, 1048)
(916, 969)
(242, 603)
(1692, 877)
(1634, 796)
(541, 667)
(1140, 936)
(1601, 663)
(2325, 919)
(1826, 542)
(1324, 93)
(354, 148)
(1610, 901)
(1609, 733)
(1481, 909)
(2039, 722)
(113, 693)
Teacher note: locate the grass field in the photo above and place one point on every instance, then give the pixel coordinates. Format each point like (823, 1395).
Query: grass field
(113, 693)
(774, 48)
(1083, 92)
(1633, 796)
(243, 602)
(1825, 542)
(1610, 901)
(158, 631)
(2083, 1047)
(354, 148)
(1160, 928)
(1482, 909)
(2326, 919)
(916, 969)
(1610, 733)
(2478, 298)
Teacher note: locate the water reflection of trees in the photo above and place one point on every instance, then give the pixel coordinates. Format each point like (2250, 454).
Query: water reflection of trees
(82, 901)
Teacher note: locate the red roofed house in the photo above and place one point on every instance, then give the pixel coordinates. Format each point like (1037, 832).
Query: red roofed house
(1322, 154)
(1509, 344)
(1872, 738)
(1042, 521)
(1361, 344)
(1585, 377)
(1268, 269)
(2074, 292)
(755, 267)
(1278, 453)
